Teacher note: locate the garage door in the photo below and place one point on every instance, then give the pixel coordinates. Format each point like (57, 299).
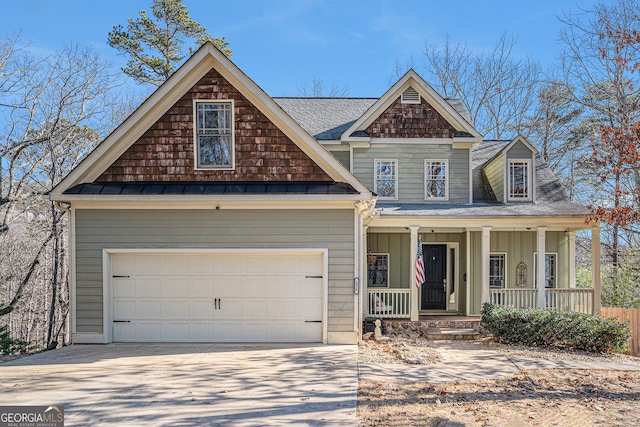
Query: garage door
(217, 297)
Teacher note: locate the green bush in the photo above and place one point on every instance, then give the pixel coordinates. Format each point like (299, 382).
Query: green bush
(555, 328)
(10, 345)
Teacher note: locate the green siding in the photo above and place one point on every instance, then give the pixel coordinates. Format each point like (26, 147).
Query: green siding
(98, 229)
(494, 172)
(518, 246)
(343, 156)
(411, 159)
(519, 151)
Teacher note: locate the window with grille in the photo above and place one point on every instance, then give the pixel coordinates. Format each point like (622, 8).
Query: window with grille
(519, 178)
(436, 183)
(386, 179)
(213, 124)
(497, 264)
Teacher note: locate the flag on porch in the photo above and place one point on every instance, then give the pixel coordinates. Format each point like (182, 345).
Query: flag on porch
(419, 265)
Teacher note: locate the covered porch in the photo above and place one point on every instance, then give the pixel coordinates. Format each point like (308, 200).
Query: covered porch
(467, 262)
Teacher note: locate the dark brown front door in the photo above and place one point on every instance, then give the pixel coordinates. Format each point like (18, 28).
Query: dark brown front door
(434, 288)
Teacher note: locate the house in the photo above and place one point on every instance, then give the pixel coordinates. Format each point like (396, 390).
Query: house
(217, 213)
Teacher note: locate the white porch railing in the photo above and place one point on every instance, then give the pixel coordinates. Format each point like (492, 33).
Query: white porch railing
(518, 298)
(389, 303)
(576, 300)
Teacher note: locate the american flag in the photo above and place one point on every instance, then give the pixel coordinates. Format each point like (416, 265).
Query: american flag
(419, 265)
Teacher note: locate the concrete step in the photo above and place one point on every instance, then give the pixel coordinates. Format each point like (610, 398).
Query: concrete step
(452, 333)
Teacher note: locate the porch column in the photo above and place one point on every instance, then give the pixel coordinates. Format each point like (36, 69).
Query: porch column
(571, 237)
(415, 295)
(540, 270)
(364, 273)
(486, 248)
(595, 267)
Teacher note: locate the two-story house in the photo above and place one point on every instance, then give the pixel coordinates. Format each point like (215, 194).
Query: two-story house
(217, 213)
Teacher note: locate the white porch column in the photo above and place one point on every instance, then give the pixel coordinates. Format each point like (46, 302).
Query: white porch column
(486, 248)
(540, 270)
(595, 267)
(415, 294)
(364, 274)
(571, 237)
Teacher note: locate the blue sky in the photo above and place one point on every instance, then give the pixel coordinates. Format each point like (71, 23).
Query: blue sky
(282, 45)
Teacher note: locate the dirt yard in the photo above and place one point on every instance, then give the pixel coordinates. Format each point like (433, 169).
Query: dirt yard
(529, 398)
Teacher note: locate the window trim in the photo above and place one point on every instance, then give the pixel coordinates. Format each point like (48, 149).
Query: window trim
(535, 270)
(504, 272)
(379, 254)
(395, 178)
(528, 181)
(196, 144)
(446, 180)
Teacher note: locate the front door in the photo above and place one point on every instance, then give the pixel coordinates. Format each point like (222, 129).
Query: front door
(434, 288)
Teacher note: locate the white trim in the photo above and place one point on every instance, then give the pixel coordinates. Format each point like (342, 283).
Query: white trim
(412, 141)
(107, 282)
(529, 177)
(411, 78)
(468, 272)
(470, 162)
(216, 204)
(504, 273)
(73, 310)
(395, 175)
(446, 179)
(196, 148)
(453, 306)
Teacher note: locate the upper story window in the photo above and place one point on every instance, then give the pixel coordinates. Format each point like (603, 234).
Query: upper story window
(214, 139)
(386, 179)
(519, 179)
(435, 177)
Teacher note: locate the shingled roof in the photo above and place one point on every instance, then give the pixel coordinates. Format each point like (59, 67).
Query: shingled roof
(327, 118)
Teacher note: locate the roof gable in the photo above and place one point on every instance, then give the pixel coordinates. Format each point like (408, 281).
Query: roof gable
(207, 58)
(444, 109)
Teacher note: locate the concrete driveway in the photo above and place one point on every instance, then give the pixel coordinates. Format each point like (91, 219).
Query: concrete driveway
(189, 384)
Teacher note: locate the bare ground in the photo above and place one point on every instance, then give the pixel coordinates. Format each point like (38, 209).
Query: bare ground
(529, 398)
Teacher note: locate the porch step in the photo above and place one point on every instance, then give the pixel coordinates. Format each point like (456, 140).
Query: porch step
(451, 333)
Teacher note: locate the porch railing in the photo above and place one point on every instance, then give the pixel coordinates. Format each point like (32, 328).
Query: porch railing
(518, 298)
(576, 300)
(389, 303)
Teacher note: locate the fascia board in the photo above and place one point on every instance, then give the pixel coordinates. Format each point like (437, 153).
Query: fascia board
(497, 222)
(214, 204)
(208, 197)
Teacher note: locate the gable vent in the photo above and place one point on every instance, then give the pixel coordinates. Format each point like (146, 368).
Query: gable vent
(410, 96)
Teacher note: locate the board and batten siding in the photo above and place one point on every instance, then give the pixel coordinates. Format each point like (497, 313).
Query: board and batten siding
(411, 157)
(518, 246)
(233, 229)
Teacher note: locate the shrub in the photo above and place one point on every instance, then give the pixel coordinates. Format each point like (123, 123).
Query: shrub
(555, 328)
(10, 345)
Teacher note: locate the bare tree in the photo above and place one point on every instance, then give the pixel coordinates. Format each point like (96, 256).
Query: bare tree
(316, 89)
(53, 111)
(497, 89)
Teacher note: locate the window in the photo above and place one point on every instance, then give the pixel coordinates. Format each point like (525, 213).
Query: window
(386, 179)
(497, 263)
(213, 124)
(519, 178)
(378, 270)
(550, 270)
(435, 176)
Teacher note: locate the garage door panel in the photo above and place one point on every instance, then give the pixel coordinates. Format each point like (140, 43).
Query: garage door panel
(216, 297)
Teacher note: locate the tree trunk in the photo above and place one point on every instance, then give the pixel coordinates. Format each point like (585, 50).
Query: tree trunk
(51, 339)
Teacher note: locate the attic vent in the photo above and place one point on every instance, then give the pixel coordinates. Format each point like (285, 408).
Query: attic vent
(410, 96)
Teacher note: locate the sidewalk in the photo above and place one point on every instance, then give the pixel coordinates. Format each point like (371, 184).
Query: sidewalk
(474, 360)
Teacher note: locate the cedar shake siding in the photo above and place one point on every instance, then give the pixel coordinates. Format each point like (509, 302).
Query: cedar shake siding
(410, 121)
(165, 151)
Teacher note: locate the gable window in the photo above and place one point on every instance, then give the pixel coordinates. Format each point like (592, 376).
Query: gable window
(386, 179)
(497, 263)
(214, 144)
(519, 179)
(436, 183)
(550, 270)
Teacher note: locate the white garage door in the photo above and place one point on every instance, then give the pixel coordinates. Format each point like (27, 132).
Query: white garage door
(217, 297)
